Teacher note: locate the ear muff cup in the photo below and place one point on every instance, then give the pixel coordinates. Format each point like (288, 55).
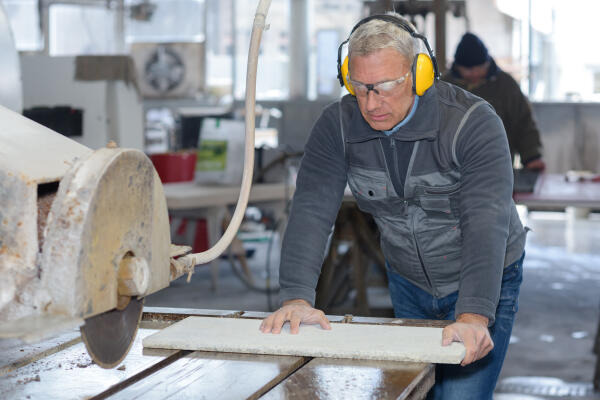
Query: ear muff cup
(423, 73)
(344, 73)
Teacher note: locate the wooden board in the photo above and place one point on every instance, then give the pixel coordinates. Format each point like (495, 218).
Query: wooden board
(356, 341)
(356, 379)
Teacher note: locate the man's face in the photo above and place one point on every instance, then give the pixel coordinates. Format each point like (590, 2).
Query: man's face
(473, 75)
(382, 113)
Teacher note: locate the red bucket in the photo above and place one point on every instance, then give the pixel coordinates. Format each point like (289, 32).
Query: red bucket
(175, 167)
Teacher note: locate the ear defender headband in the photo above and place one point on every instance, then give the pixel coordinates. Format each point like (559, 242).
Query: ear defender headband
(424, 69)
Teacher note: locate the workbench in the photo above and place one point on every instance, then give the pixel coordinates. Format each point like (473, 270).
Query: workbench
(553, 191)
(192, 196)
(210, 202)
(60, 368)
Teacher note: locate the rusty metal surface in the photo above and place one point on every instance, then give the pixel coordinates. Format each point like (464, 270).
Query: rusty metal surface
(30, 155)
(109, 336)
(109, 204)
(18, 242)
(429, 323)
(169, 315)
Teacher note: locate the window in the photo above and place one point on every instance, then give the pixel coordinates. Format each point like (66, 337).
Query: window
(219, 50)
(25, 24)
(76, 29)
(272, 82)
(596, 82)
(171, 21)
(330, 24)
(556, 53)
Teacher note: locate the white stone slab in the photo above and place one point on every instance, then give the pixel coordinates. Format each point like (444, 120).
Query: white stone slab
(358, 341)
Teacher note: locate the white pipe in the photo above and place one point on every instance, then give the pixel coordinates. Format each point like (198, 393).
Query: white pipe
(236, 220)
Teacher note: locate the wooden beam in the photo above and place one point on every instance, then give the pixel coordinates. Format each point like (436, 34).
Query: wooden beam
(440, 7)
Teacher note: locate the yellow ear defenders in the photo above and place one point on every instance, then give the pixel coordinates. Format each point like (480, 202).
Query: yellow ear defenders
(424, 69)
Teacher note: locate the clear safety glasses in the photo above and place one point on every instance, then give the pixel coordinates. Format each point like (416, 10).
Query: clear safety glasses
(382, 88)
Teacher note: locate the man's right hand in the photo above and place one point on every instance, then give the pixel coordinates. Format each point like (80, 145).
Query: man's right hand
(296, 312)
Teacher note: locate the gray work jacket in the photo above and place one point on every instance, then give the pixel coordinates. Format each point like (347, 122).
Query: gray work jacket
(453, 227)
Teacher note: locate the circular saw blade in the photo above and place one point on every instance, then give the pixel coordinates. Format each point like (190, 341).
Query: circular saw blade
(109, 336)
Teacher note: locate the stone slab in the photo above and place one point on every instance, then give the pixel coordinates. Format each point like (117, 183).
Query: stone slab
(368, 342)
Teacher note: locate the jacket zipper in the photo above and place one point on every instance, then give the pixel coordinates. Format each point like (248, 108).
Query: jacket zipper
(395, 155)
(421, 258)
(395, 158)
(405, 203)
(387, 168)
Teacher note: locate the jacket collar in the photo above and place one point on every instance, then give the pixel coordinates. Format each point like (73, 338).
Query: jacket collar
(424, 124)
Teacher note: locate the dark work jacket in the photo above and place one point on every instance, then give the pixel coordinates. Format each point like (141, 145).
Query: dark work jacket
(452, 225)
(504, 94)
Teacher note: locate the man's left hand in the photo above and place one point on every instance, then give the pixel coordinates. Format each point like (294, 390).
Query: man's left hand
(472, 331)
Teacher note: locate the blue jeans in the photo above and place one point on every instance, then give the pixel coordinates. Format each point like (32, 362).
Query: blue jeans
(477, 380)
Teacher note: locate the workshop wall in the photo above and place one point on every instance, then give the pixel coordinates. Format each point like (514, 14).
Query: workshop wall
(570, 135)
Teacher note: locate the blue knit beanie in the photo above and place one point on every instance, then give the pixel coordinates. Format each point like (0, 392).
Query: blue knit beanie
(471, 51)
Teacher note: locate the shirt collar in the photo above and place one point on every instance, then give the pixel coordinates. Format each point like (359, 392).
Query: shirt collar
(405, 120)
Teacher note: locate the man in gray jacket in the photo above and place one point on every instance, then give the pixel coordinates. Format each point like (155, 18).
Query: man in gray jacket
(431, 163)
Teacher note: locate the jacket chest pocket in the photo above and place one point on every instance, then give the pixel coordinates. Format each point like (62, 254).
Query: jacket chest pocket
(440, 202)
(439, 209)
(370, 188)
(438, 230)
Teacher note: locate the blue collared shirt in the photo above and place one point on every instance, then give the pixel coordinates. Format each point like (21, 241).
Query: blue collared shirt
(405, 120)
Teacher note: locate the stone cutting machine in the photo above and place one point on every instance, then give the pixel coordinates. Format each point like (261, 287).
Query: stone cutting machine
(84, 234)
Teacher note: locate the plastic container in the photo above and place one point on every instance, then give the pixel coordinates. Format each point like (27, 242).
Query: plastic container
(175, 167)
(221, 152)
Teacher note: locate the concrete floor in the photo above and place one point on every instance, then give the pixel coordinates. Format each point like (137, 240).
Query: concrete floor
(550, 355)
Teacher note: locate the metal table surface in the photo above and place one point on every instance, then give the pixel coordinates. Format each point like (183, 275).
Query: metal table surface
(553, 191)
(61, 369)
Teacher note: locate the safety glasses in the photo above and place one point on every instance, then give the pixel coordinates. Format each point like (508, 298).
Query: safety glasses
(382, 88)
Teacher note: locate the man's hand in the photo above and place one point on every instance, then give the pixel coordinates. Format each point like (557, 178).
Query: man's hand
(536, 165)
(472, 331)
(295, 311)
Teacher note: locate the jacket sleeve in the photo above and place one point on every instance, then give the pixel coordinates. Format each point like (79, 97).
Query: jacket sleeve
(485, 207)
(319, 191)
(524, 131)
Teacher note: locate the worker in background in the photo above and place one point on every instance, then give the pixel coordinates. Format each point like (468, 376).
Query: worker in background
(476, 71)
(431, 163)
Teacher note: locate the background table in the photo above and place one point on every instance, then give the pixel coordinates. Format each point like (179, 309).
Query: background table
(210, 202)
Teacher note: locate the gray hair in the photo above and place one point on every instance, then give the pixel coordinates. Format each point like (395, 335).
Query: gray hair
(378, 34)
